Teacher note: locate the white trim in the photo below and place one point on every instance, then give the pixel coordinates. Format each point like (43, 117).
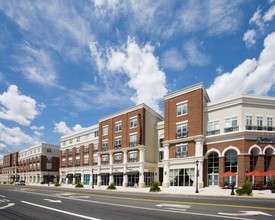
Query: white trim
(182, 122)
(231, 148)
(183, 102)
(118, 137)
(105, 140)
(212, 150)
(269, 146)
(181, 144)
(133, 117)
(255, 146)
(133, 133)
(117, 122)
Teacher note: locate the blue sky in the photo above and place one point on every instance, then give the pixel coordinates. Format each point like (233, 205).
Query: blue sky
(65, 64)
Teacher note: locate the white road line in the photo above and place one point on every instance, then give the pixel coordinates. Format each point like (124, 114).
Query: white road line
(7, 206)
(2, 196)
(58, 210)
(144, 208)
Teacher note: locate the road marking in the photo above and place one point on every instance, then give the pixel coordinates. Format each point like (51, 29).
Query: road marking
(245, 213)
(58, 210)
(55, 201)
(177, 207)
(79, 197)
(4, 200)
(2, 196)
(7, 206)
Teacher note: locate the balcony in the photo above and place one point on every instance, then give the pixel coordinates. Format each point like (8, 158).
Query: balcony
(104, 162)
(231, 129)
(259, 128)
(117, 146)
(95, 151)
(132, 160)
(181, 154)
(105, 149)
(133, 143)
(117, 161)
(95, 163)
(181, 135)
(213, 132)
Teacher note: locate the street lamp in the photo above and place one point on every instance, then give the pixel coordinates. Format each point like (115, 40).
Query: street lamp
(197, 176)
(92, 178)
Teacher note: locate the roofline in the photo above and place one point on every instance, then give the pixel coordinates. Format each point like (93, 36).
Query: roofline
(83, 130)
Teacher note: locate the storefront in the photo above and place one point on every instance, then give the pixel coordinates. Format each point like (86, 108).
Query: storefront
(182, 177)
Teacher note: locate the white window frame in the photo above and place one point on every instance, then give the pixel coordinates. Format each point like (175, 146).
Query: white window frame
(269, 122)
(249, 120)
(133, 122)
(181, 150)
(118, 126)
(259, 121)
(105, 130)
(182, 109)
(182, 125)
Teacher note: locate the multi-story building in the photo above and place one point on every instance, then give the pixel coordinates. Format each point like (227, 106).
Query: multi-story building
(39, 163)
(1, 169)
(204, 139)
(10, 167)
(124, 152)
(194, 144)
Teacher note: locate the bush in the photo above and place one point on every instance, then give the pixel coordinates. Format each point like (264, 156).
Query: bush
(246, 189)
(79, 185)
(57, 184)
(111, 186)
(273, 183)
(155, 187)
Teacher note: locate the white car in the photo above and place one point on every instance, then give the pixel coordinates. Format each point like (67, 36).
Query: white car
(21, 182)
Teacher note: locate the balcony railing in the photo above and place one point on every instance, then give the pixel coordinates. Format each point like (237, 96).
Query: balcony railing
(95, 151)
(104, 162)
(181, 135)
(259, 128)
(132, 160)
(117, 146)
(231, 129)
(118, 161)
(181, 154)
(213, 132)
(132, 143)
(104, 148)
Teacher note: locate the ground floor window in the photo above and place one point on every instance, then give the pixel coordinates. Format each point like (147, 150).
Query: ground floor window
(86, 179)
(118, 179)
(133, 179)
(148, 178)
(105, 178)
(182, 177)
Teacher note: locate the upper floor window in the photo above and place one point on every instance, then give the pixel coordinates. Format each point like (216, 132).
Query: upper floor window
(49, 150)
(104, 159)
(86, 150)
(117, 143)
(213, 128)
(249, 120)
(96, 134)
(87, 136)
(77, 139)
(181, 151)
(95, 148)
(133, 156)
(231, 124)
(182, 130)
(118, 158)
(133, 140)
(182, 109)
(105, 130)
(77, 151)
(95, 159)
(104, 145)
(133, 122)
(71, 141)
(118, 127)
(269, 122)
(259, 121)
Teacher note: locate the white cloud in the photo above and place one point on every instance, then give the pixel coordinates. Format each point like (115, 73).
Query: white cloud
(172, 59)
(194, 54)
(270, 14)
(257, 19)
(141, 68)
(15, 137)
(249, 38)
(220, 69)
(62, 128)
(17, 107)
(251, 77)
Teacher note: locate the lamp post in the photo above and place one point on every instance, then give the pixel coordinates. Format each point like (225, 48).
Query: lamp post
(92, 178)
(197, 176)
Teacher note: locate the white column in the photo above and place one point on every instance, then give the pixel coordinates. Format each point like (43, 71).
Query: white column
(199, 147)
(111, 159)
(141, 176)
(165, 162)
(99, 160)
(82, 177)
(166, 152)
(73, 177)
(125, 177)
(98, 177)
(67, 179)
(91, 177)
(111, 180)
(125, 156)
(200, 174)
(141, 155)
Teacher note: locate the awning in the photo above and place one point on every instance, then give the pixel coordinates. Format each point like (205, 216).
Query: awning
(228, 173)
(69, 175)
(132, 173)
(103, 174)
(117, 173)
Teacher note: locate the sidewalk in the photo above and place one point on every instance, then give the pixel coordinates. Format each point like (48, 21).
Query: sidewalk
(207, 191)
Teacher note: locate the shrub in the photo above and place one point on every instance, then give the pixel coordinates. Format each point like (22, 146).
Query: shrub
(79, 185)
(246, 189)
(155, 187)
(111, 186)
(57, 184)
(273, 183)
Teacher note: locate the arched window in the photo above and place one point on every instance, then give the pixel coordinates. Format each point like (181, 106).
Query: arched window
(213, 169)
(230, 164)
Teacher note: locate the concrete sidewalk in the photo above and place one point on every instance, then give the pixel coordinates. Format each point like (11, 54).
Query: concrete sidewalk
(207, 191)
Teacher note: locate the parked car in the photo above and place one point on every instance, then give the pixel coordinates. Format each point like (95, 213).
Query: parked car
(21, 182)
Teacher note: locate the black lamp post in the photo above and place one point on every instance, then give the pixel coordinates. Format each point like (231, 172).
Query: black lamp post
(92, 178)
(197, 177)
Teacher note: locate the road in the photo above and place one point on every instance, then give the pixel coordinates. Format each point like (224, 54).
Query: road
(32, 202)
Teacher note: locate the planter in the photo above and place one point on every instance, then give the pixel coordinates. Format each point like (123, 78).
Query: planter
(273, 190)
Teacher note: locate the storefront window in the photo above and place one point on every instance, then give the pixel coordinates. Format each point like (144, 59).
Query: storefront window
(182, 177)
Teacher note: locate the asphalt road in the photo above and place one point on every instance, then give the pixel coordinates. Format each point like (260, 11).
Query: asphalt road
(31, 202)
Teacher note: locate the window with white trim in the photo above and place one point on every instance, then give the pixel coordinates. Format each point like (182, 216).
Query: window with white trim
(182, 130)
(181, 151)
(269, 122)
(231, 124)
(95, 160)
(133, 156)
(118, 158)
(259, 121)
(248, 120)
(104, 159)
(104, 145)
(117, 143)
(213, 127)
(133, 122)
(133, 140)
(118, 127)
(182, 109)
(105, 130)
